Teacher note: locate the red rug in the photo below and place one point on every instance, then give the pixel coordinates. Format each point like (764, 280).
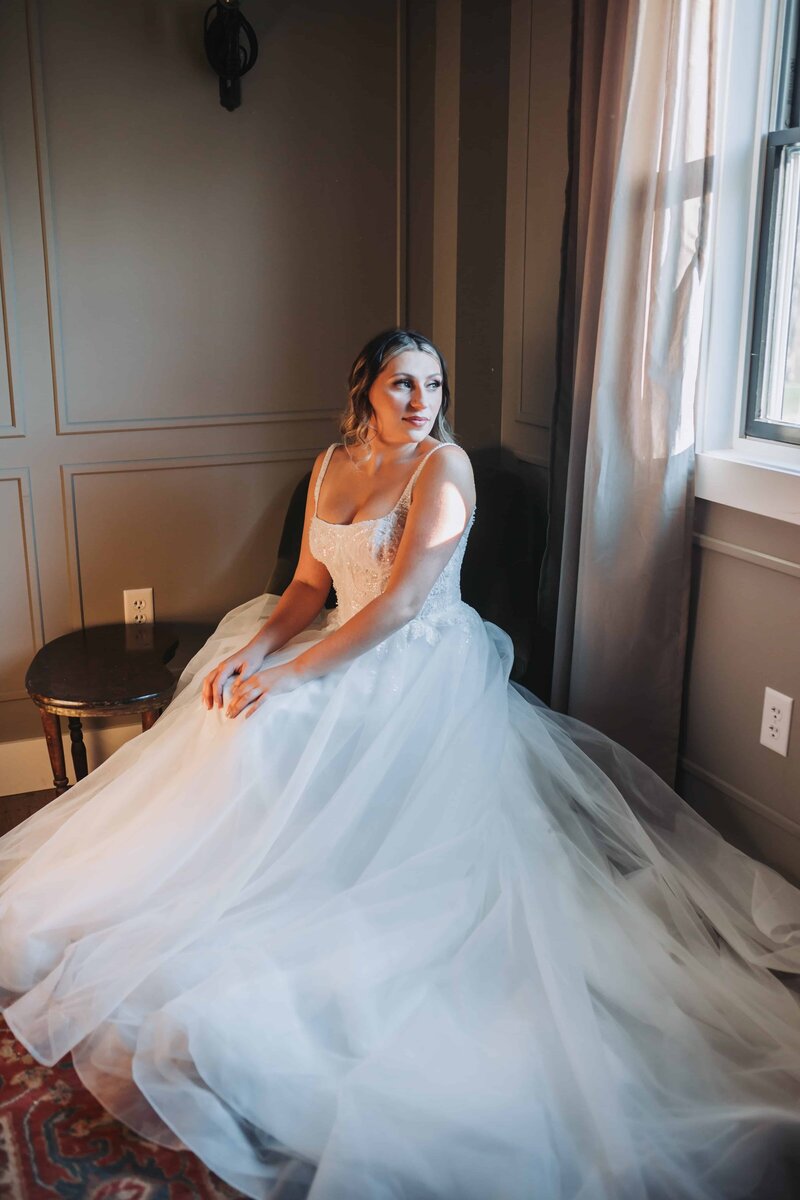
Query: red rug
(56, 1141)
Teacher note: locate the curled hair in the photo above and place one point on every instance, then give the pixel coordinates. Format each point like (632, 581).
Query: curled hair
(354, 424)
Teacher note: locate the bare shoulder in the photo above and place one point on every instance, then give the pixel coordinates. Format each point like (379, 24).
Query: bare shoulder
(453, 463)
(450, 465)
(318, 461)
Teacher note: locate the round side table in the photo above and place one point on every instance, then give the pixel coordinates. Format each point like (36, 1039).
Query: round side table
(107, 671)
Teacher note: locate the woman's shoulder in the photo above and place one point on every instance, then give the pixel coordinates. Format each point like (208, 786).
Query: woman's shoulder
(320, 464)
(328, 452)
(450, 465)
(454, 459)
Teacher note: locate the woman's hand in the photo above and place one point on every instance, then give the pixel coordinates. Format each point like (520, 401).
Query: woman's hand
(248, 694)
(244, 663)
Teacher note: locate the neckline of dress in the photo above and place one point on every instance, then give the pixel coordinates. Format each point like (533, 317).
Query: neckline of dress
(353, 524)
(366, 520)
(374, 520)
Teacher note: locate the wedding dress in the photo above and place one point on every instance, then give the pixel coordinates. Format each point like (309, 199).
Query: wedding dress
(406, 934)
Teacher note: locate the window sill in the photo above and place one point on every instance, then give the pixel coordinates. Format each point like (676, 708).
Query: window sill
(729, 477)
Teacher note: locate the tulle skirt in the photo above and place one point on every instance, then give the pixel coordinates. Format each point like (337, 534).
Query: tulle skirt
(406, 934)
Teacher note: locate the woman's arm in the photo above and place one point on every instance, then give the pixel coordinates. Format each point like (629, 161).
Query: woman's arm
(299, 604)
(297, 607)
(442, 501)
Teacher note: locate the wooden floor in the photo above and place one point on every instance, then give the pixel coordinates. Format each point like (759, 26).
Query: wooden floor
(14, 809)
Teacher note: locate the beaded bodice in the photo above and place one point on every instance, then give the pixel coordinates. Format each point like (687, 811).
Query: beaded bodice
(360, 556)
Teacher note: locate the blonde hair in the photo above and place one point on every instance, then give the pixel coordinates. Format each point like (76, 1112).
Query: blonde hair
(354, 423)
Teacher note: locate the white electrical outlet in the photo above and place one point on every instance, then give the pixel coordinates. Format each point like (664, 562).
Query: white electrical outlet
(138, 606)
(776, 721)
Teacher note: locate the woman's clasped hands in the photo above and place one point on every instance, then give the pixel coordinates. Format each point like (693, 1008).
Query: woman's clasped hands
(251, 686)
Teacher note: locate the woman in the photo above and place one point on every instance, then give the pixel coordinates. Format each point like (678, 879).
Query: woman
(358, 912)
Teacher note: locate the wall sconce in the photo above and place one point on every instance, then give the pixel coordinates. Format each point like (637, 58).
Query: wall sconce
(231, 49)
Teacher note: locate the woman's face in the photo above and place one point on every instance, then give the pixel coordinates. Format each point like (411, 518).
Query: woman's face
(406, 396)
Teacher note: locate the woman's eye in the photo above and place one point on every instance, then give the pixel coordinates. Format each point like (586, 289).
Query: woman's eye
(406, 383)
(434, 384)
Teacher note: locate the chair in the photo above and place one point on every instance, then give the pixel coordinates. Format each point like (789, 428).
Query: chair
(500, 570)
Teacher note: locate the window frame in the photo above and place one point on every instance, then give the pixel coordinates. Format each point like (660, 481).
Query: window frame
(784, 131)
(749, 474)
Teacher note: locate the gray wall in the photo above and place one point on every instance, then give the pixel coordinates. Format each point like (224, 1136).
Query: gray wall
(183, 290)
(185, 287)
(744, 637)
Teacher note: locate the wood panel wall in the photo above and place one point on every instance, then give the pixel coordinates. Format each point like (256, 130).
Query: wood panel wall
(183, 290)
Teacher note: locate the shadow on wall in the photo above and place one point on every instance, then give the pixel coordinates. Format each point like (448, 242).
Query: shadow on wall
(500, 576)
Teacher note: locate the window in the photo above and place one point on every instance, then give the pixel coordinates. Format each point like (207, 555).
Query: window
(773, 394)
(747, 469)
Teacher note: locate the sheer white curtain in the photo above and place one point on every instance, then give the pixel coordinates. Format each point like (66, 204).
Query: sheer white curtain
(615, 583)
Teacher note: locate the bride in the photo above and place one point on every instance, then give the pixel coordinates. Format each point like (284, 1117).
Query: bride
(359, 913)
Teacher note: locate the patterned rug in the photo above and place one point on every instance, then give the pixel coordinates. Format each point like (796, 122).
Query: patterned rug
(56, 1141)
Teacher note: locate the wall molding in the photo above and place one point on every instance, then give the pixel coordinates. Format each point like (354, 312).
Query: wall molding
(68, 425)
(70, 472)
(447, 122)
(401, 164)
(770, 562)
(787, 824)
(21, 476)
(25, 765)
(13, 427)
(522, 415)
(535, 460)
(516, 206)
(527, 432)
(520, 124)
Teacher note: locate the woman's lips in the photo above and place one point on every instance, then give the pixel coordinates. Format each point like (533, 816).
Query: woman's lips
(416, 420)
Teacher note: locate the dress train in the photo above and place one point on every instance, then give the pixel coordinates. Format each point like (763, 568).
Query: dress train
(406, 934)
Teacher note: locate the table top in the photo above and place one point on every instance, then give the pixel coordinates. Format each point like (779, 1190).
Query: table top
(108, 667)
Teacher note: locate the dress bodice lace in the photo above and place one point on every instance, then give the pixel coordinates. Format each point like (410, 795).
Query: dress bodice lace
(360, 556)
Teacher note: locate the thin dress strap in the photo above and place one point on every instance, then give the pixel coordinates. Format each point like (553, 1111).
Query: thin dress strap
(406, 490)
(322, 471)
(409, 486)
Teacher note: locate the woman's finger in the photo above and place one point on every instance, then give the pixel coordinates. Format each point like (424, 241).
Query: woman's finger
(241, 680)
(247, 695)
(251, 708)
(221, 678)
(208, 688)
(235, 700)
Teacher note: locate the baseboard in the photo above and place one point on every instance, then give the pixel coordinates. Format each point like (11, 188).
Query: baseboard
(25, 765)
(787, 824)
(757, 830)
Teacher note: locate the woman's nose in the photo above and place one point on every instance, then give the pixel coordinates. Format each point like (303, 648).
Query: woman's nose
(415, 399)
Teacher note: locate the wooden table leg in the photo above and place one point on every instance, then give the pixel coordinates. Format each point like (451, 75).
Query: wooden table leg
(149, 719)
(55, 748)
(78, 748)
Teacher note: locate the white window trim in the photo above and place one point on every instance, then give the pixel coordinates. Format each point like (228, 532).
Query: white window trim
(748, 473)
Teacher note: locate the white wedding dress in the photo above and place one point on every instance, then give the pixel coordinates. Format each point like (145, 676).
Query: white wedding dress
(406, 934)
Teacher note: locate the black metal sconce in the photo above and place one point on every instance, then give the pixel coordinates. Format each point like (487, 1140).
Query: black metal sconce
(231, 49)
